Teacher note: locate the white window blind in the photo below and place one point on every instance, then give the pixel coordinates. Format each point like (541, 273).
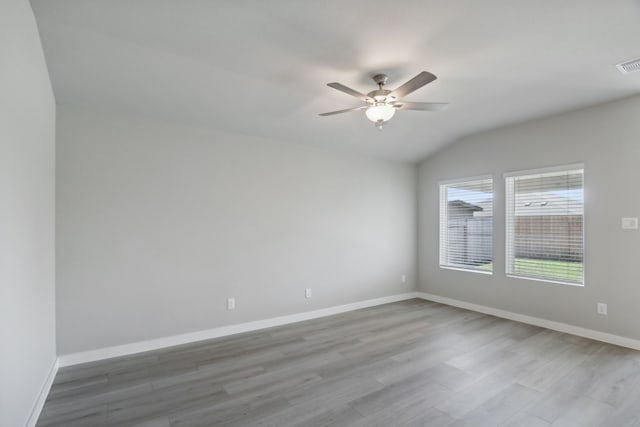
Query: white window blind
(545, 225)
(466, 224)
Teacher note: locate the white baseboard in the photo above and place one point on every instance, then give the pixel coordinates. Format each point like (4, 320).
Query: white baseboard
(536, 321)
(155, 344)
(42, 396)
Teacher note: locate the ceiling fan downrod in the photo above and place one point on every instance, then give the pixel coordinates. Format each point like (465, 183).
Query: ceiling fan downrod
(380, 79)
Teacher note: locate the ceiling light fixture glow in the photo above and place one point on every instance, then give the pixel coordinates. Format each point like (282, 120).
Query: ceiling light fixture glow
(380, 112)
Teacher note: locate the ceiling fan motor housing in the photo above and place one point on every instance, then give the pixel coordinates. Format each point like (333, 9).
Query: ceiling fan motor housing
(381, 95)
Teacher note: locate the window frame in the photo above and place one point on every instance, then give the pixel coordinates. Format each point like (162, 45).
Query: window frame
(446, 182)
(507, 221)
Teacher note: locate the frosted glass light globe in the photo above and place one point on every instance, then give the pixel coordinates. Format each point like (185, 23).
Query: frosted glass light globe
(380, 112)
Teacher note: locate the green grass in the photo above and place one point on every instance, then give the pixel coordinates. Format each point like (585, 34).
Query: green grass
(563, 271)
(485, 267)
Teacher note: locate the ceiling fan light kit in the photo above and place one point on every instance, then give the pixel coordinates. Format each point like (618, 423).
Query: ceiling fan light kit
(380, 112)
(381, 104)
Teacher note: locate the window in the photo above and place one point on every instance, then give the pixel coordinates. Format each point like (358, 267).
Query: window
(466, 224)
(544, 219)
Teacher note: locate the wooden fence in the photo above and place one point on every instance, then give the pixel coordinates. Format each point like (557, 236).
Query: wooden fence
(538, 237)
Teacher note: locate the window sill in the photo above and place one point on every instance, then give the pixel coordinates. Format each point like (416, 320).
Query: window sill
(470, 270)
(557, 282)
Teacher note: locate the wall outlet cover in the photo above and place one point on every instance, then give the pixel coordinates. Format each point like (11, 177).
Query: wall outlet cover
(602, 308)
(630, 223)
(231, 303)
(307, 293)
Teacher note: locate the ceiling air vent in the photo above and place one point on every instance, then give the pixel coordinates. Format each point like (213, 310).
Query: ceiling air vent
(629, 66)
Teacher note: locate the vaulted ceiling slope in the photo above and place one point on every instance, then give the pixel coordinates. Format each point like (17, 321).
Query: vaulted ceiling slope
(260, 67)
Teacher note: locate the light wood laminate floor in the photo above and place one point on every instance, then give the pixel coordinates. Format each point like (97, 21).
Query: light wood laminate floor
(411, 363)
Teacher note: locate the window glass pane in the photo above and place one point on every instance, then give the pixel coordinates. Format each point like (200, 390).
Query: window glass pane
(466, 225)
(545, 234)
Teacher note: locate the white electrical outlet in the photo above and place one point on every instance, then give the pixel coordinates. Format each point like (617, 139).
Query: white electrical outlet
(231, 303)
(630, 223)
(404, 278)
(307, 293)
(602, 308)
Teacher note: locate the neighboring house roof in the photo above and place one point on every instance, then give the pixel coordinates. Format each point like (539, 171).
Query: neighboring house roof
(527, 204)
(486, 208)
(460, 204)
(477, 209)
(546, 204)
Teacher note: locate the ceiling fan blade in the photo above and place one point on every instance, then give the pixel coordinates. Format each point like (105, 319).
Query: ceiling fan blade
(331, 113)
(349, 91)
(415, 83)
(421, 106)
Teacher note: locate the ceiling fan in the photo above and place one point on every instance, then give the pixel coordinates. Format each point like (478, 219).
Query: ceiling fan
(381, 104)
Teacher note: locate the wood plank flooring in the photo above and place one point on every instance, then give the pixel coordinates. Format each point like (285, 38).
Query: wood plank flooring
(411, 363)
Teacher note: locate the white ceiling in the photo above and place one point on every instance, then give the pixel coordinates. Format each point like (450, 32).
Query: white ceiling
(260, 67)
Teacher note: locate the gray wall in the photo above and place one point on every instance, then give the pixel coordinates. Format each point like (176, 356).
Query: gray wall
(158, 224)
(27, 208)
(605, 138)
